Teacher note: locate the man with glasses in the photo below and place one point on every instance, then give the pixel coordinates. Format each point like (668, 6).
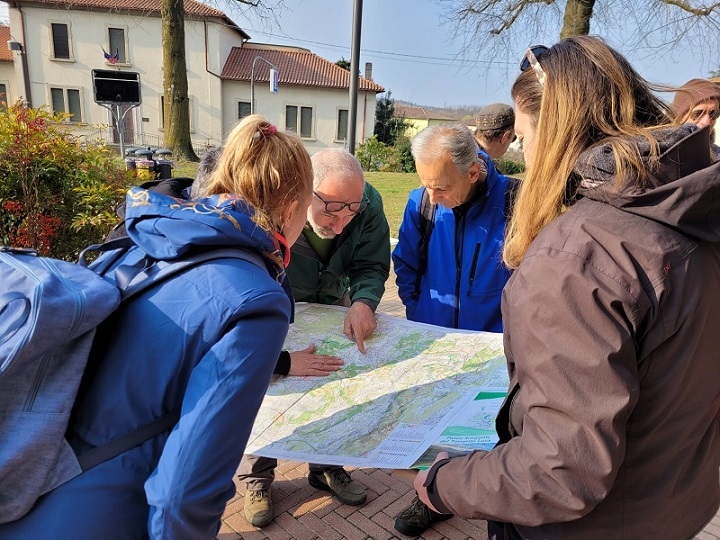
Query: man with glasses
(495, 129)
(342, 258)
(698, 102)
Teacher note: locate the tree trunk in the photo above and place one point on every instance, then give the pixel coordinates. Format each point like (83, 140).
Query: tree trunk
(576, 21)
(176, 113)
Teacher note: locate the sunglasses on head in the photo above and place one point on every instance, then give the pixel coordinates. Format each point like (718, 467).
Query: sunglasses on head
(530, 60)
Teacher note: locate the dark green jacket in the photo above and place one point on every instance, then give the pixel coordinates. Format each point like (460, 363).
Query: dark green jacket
(359, 261)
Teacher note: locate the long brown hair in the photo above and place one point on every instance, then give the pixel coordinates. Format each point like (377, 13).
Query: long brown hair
(591, 96)
(267, 168)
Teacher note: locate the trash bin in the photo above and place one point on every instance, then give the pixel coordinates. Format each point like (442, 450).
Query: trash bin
(163, 164)
(163, 168)
(129, 164)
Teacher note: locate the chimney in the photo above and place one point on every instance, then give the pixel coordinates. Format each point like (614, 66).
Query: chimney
(368, 71)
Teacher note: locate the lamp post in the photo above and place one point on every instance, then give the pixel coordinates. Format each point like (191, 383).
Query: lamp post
(18, 47)
(273, 81)
(354, 73)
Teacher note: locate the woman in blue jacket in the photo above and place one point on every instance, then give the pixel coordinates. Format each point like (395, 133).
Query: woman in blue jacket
(204, 341)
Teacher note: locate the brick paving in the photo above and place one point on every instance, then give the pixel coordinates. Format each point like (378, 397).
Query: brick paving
(304, 513)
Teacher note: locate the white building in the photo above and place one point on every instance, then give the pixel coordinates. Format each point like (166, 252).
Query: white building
(59, 42)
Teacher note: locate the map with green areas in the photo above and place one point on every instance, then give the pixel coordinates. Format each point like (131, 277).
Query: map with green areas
(383, 408)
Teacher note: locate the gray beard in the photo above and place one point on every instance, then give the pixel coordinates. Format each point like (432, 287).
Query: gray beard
(326, 233)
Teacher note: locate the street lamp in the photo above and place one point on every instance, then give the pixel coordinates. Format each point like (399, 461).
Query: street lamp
(273, 81)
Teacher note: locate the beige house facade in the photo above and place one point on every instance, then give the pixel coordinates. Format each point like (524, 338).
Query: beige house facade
(60, 42)
(418, 118)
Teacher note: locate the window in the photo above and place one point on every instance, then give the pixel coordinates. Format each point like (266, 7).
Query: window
(243, 109)
(3, 98)
(67, 100)
(162, 114)
(116, 42)
(301, 117)
(61, 41)
(342, 125)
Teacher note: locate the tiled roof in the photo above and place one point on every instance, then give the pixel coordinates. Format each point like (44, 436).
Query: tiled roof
(298, 67)
(408, 111)
(192, 8)
(6, 54)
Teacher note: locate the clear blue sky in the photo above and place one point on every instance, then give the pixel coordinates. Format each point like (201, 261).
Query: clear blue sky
(413, 56)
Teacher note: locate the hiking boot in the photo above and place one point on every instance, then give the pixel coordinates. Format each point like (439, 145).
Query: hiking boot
(416, 518)
(339, 483)
(258, 507)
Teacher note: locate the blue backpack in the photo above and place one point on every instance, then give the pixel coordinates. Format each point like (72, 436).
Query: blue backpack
(49, 311)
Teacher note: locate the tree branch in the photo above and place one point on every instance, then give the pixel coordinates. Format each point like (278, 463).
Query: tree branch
(698, 12)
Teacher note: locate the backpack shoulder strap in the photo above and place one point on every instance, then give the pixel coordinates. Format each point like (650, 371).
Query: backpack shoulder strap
(427, 222)
(132, 279)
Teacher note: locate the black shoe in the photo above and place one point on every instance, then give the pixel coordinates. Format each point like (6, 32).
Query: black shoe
(416, 518)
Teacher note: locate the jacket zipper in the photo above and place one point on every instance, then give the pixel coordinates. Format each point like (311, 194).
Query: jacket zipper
(459, 231)
(473, 267)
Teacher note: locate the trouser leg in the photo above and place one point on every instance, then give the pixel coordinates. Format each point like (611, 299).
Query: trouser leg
(257, 472)
(317, 468)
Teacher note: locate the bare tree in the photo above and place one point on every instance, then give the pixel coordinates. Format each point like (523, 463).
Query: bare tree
(500, 28)
(176, 113)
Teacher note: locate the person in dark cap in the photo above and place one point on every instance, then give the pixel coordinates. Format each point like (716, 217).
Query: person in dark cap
(698, 102)
(494, 130)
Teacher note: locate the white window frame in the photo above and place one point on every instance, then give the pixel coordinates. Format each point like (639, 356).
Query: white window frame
(337, 124)
(51, 87)
(51, 40)
(191, 106)
(300, 107)
(127, 61)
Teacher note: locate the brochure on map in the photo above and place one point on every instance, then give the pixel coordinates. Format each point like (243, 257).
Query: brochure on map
(472, 428)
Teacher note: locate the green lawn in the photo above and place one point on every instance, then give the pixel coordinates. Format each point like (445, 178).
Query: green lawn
(394, 188)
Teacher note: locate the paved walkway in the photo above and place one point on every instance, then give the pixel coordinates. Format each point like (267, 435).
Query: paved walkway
(304, 513)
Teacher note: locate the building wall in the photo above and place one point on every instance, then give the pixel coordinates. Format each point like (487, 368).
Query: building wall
(213, 102)
(88, 34)
(325, 104)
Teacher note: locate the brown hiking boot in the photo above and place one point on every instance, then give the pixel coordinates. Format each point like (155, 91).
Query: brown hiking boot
(339, 483)
(416, 518)
(258, 507)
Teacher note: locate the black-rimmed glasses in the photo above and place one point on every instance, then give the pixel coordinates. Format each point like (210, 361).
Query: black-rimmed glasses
(337, 206)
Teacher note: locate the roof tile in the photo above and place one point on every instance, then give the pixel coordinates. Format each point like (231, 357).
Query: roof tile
(192, 7)
(6, 54)
(298, 67)
(410, 111)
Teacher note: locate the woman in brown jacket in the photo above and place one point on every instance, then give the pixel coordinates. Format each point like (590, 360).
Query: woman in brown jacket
(611, 317)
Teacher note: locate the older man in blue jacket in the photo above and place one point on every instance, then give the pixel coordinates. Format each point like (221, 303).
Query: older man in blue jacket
(461, 284)
(451, 273)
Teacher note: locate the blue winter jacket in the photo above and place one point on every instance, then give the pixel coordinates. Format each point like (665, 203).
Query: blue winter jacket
(207, 340)
(465, 275)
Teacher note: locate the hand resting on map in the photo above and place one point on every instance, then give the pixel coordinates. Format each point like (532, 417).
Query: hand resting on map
(359, 324)
(306, 363)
